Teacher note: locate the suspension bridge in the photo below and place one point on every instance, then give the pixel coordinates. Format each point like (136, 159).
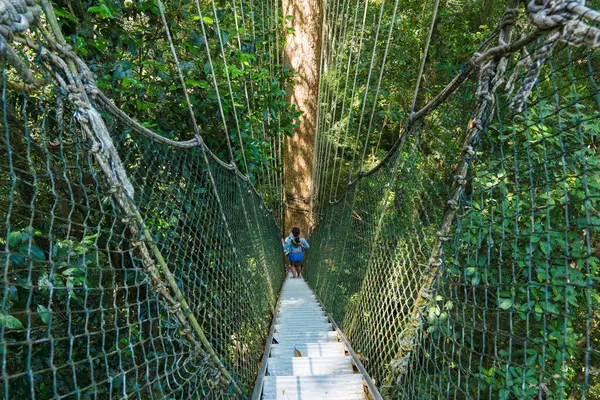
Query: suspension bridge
(454, 229)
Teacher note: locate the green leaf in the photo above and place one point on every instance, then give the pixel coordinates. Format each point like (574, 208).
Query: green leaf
(65, 15)
(44, 314)
(505, 304)
(17, 258)
(100, 44)
(14, 239)
(10, 322)
(103, 10)
(545, 247)
(33, 252)
(208, 20)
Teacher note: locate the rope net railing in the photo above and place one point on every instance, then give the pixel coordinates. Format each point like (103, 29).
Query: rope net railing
(136, 262)
(465, 263)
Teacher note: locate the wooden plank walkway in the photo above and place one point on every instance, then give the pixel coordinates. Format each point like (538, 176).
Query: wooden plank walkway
(307, 358)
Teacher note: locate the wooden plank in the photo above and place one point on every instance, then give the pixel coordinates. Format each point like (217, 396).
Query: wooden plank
(258, 384)
(330, 349)
(313, 337)
(315, 326)
(347, 387)
(361, 368)
(304, 366)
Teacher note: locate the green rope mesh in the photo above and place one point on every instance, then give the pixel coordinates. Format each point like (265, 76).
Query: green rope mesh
(502, 302)
(81, 314)
(463, 265)
(165, 290)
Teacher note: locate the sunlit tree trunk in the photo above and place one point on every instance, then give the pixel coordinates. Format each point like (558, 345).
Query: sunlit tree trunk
(302, 54)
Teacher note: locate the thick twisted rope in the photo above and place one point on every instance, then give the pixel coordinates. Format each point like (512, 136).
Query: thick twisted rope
(16, 16)
(72, 75)
(562, 20)
(558, 21)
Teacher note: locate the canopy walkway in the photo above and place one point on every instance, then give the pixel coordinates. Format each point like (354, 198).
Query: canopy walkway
(455, 204)
(307, 358)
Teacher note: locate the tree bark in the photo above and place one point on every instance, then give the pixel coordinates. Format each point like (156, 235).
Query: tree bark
(302, 53)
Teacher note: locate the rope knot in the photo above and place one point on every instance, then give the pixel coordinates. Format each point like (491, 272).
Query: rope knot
(16, 16)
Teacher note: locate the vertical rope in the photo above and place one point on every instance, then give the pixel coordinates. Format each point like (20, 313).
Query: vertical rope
(424, 56)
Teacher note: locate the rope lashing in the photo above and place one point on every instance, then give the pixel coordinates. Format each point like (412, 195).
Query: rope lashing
(562, 20)
(16, 16)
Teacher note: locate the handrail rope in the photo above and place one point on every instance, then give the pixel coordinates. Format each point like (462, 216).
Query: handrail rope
(93, 91)
(105, 153)
(97, 94)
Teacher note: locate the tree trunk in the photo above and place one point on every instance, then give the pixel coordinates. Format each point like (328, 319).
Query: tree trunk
(302, 54)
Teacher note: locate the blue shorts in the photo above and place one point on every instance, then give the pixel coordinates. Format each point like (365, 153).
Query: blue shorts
(296, 257)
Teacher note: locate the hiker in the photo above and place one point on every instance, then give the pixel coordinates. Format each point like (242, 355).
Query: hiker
(294, 249)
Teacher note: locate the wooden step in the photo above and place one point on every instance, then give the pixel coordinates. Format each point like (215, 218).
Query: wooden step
(320, 387)
(305, 337)
(306, 308)
(304, 366)
(315, 326)
(300, 311)
(307, 359)
(301, 318)
(330, 349)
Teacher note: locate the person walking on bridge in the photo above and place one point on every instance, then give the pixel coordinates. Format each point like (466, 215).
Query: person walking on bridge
(294, 249)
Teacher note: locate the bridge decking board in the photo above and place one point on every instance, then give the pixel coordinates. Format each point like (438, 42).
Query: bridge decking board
(308, 359)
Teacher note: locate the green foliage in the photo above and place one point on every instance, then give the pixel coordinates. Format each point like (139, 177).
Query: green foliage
(81, 314)
(512, 311)
(533, 265)
(133, 65)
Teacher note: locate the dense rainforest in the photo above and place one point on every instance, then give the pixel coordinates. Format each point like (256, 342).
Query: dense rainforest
(514, 310)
